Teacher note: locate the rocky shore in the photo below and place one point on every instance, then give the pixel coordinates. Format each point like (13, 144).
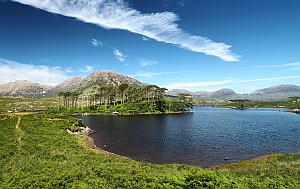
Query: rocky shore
(89, 141)
(297, 111)
(83, 131)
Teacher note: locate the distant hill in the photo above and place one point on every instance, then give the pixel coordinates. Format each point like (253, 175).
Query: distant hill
(176, 92)
(221, 94)
(24, 88)
(279, 92)
(30, 89)
(276, 92)
(224, 94)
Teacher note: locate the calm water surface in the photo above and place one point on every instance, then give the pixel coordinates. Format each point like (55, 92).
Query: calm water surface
(205, 137)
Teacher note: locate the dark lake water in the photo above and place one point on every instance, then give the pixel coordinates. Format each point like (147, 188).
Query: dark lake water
(205, 137)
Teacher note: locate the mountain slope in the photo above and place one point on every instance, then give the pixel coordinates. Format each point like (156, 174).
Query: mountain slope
(97, 77)
(71, 84)
(107, 77)
(276, 92)
(23, 88)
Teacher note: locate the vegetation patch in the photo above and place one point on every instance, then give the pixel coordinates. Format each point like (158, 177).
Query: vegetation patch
(49, 157)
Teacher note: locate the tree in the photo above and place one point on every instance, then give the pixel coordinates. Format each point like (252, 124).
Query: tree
(61, 99)
(123, 89)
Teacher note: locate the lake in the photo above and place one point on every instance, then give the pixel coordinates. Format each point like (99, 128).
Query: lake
(206, 137)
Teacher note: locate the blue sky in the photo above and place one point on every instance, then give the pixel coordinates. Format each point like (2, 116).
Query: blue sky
(188, 44)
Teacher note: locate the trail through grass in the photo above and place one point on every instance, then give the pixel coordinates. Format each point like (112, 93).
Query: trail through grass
(17, 126)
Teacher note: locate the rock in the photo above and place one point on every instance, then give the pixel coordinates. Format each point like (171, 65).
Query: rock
(83, 131)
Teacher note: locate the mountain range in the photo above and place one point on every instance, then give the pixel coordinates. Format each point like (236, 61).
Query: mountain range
(278, 92)
(31, 89)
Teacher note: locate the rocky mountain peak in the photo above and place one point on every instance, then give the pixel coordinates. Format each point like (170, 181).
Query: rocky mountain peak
(23, 88)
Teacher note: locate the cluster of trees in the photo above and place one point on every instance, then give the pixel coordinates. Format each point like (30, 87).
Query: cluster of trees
(239, 103)
(141, 98)
(294, 102)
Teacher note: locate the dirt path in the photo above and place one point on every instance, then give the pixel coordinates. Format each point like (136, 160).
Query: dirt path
(19, 129)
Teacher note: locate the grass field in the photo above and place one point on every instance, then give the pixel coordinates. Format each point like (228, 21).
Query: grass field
(14, 104)
(37, 152)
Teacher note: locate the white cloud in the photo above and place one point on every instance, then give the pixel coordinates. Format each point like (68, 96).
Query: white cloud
(96, 43)
(119, 55)
(288, 65)
(269, 79)
(12, 71)
(87, 69)
(196, 84)
(147, 62)
(145, 38)
(116, 14)
(84, 69)
(228, 82)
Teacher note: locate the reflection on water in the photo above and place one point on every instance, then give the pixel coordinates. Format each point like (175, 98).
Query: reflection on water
(206, 137)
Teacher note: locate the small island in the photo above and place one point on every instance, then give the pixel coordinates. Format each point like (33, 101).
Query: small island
(123, 99)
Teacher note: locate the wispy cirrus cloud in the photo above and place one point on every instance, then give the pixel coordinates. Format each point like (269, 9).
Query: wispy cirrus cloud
(147, 62)
(119, 55)
(96, 43)
(87, 69)
(223, 83)
(116, 14)
(12, 71)
(288, 65)
(145, 38)
(268, 79)
(79, 70)
(196, 84)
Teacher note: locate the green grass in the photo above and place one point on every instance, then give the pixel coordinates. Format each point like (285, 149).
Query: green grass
(48, 157)
(259, 104)
(14, 104)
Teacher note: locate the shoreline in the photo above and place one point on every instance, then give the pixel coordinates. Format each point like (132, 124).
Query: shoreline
(296, 111)
(127, 114)
(89, 142)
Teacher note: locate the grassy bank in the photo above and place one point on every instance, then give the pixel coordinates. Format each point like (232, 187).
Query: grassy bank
(40, 154)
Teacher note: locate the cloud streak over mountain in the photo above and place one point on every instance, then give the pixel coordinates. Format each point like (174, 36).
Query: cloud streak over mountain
(188, 85)
(196, 84)
(116, 14)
